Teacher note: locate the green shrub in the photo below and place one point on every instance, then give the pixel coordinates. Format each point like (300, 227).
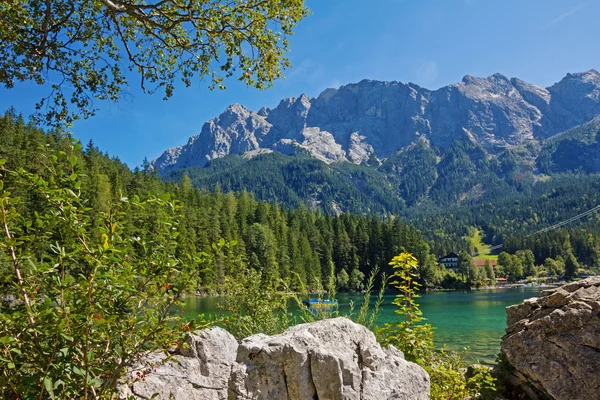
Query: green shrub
(87, 303)
(252, 305)
(415, 338)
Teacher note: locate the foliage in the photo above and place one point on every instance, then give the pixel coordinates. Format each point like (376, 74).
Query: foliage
(575, 149)
(554, 267)
(85, 305)
(410, 335)
(512, 265)
(415, 339)
(296, 247)
(252, 305)
(367, 316)
(450, 195)
(490, 275)
(294, 180)
(90, 45)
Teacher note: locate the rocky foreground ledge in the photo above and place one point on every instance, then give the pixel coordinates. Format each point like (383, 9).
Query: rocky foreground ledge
(331, 359)
(551, 349)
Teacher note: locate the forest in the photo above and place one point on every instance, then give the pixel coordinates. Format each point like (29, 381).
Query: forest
(297, 247)
(303, 246)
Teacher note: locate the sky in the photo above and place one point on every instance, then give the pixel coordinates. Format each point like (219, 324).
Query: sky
(432, 43)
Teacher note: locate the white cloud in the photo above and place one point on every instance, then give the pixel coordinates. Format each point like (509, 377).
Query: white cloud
(427, 72)
(566, 15)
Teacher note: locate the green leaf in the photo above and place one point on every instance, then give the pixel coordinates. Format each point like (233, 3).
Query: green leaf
(5, 339)
(94, 382)
(49, 387)
(67, 337)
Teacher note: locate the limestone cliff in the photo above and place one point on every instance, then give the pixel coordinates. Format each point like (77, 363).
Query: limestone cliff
(376, 119)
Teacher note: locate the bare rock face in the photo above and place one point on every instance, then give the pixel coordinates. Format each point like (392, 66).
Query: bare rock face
(552, 343)
(198, 371)
(381, 118)
(331, 359)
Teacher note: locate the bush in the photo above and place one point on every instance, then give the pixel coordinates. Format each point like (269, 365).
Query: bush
(415, 338)
(252, 305)
(87, 303)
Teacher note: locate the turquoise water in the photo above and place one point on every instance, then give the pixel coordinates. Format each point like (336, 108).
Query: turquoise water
(474, 319)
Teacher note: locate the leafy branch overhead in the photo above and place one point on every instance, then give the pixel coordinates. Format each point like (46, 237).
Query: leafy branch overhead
(84, 49)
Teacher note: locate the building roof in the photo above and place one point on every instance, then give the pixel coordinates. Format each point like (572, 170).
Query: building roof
(450, 255)
(480, 262)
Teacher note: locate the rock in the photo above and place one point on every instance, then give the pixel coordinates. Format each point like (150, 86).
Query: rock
(330, 359)
(321, 145)
(359, 151)
(381, 118)
(236, 131)
(552, 346)
(199, 370)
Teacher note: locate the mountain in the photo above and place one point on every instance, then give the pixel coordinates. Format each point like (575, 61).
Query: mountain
(386, 146)
(372, 118)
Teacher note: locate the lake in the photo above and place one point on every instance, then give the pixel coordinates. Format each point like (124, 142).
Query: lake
(475, 319)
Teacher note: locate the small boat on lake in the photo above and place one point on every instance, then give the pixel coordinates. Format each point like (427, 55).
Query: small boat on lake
(312, 303)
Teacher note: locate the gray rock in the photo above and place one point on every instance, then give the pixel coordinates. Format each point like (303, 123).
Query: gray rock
(359, 151)
(330, 359)
(380, 118)
(198, 371)
(321, 145)
(236, 131)
(552, 344)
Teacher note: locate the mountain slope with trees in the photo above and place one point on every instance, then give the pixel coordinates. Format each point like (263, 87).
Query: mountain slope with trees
(297, 247)
(387, 147)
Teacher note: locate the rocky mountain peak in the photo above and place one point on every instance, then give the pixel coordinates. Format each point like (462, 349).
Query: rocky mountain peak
(264, 111)
(372, 118)
(578, 81)
(591, 75)
(576, 98)
(237, 109)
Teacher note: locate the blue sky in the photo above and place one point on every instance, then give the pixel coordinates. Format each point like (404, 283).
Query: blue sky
(429, 42)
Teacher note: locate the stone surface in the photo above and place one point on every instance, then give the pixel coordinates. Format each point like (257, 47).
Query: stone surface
(198, 371)
(331, 359)
(379, 118)
(552, 343)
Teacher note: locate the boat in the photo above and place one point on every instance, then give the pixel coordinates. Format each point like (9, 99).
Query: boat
(311, 303)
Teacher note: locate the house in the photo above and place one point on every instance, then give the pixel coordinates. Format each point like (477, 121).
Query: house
(480, 262)
(450, 261)
(501, 281)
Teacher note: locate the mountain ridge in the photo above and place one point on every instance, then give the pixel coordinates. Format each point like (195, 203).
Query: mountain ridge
(376, 118)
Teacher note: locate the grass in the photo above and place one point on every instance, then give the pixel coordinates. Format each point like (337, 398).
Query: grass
(482, 249)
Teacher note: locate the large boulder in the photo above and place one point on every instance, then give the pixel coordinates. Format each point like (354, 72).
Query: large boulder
(552, 344)
(197, 371)
(330, 359)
